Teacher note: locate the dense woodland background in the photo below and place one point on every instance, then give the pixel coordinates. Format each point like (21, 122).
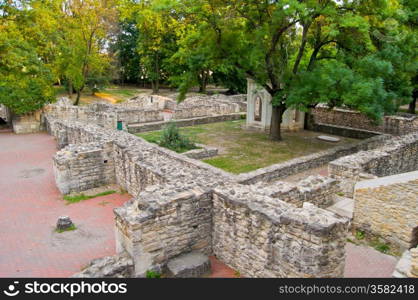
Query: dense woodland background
(357, 54)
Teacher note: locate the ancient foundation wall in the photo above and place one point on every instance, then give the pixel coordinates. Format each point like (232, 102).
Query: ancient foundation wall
(27, 123)
(181, 205)
(317, 190)
(397, 155)
(307, 162)
(387, 207)
(263, 237)
(166, 225)
(138, 128)
(82, 167)
(398, 124)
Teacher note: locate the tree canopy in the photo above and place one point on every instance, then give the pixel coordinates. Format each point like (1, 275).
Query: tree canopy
(357, 54)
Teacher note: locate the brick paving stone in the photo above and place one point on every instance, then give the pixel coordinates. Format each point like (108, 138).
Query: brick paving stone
(30, 205)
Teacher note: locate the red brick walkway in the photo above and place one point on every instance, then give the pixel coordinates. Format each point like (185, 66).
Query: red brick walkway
(30, 204)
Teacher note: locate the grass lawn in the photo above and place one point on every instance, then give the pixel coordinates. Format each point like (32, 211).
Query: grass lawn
(242, 151)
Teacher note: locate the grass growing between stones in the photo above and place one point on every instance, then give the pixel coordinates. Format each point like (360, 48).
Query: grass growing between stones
(71, 228)
(82, 197)
(363, 239)
(243, 151)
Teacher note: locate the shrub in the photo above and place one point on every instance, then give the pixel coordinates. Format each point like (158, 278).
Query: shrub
(173, 140)
(152, 274)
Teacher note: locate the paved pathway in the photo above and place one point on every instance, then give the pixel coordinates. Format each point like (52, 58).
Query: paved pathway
(364, 262)
(30, 204)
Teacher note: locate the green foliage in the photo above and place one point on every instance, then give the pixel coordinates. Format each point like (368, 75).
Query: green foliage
(25, 78)
(360, 235)
(82, 197)
(71, 228)
(382, 247)
(172, 139)
(152, 274)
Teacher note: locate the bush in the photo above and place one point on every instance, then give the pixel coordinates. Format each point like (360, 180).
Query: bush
(173, 140)
(152, 274)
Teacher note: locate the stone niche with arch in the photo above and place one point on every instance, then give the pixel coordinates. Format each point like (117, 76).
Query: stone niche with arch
(259, 111)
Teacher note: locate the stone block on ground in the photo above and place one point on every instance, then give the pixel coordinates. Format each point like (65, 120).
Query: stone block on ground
(190, 265)
(327, 138)
(117, 266)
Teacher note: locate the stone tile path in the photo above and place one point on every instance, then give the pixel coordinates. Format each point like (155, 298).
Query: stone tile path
(29, 207)
(364, 261)
(30, 204)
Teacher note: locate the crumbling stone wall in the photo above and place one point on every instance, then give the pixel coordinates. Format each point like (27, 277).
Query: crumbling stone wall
(317, 190)
(307, 162)
(83, 166)
(27, 123)
(167, 224)
(396, 155)
(173, 212)
(264, 237)
(398, 124)
(387, 207)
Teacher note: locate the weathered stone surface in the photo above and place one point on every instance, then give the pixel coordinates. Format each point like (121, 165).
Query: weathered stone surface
(396, 155)
(327, 138)
(387, 207)
(118, 266)
(190, 265)
(397, 124)
(202, 153)
(404, 265)
(64, 223)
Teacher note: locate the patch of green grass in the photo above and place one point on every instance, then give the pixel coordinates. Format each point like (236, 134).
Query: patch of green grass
(82, 197)
(243, 151)
(71, 228)
(360, 235)
(153, 274)
(381, 247)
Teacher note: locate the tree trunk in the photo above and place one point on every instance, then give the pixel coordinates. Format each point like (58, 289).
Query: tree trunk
(77, 100)
(70, 90)
(203, 82)
(276, 122)
(413, 104)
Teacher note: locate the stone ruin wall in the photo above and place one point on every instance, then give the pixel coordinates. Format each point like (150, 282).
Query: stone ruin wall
(81, 167)
(293, 166)
(264, 237)
(317, 190)
(387, 207)
(397, 124)
(173, 194)
(396, 155)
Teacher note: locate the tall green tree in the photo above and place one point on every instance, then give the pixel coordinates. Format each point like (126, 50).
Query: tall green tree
(26, 55)
(306, 52)
(86, 27)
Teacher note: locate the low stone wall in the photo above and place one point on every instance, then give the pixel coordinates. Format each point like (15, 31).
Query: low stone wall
(82, 167)
(27, 123)
(318, 190)
(387, 207)
(167, 224)
(315, 160)
(202, 153)
(407, 266)
(396, 155)
(138, 128)
(398, 124)
(343, 131)
(264, 237)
